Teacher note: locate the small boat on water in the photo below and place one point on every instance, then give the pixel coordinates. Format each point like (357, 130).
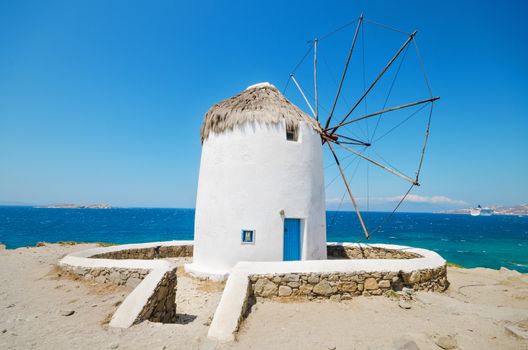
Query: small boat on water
(479, 211)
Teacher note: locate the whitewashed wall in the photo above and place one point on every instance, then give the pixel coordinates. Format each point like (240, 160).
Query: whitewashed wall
(247, 177)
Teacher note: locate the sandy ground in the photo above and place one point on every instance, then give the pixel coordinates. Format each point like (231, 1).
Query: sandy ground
(474, 313)
(34, 300)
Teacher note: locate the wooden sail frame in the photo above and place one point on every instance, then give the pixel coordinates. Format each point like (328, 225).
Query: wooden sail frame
(329, 134)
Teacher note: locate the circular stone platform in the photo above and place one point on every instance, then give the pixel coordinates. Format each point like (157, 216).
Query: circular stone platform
(351, 270)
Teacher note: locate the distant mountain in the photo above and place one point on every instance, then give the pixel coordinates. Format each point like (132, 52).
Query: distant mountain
(77, 206)
(521, 209)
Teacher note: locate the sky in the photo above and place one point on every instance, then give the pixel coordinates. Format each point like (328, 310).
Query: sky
(102, 101)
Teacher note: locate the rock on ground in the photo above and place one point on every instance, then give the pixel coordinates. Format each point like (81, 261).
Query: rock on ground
(446, 342)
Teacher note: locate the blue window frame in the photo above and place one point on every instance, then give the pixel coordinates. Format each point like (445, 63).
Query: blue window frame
(248, 236)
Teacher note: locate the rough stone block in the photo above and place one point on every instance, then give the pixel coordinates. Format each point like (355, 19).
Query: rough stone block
(335, 297)
(414, 277)
(324, 288)
(347, 286)
(292, 277)
(305, 289)
(346, 296)
(294, 284)
(333, 277)
(313, 279)
(384, 284)
(265, 288)
(426, 275)
(371, 283)
(114, 277)
(285, 291)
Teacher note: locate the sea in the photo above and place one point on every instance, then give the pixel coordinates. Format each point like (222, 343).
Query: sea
(493, 241)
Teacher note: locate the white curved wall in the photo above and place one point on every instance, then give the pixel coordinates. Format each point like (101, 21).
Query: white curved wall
(247, 177)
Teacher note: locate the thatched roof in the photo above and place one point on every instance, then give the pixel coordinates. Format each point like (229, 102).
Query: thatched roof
(261, 102)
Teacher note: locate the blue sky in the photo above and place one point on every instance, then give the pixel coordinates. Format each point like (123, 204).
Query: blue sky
(102, 101)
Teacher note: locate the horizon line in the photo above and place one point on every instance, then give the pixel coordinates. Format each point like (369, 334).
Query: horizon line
(39, 206)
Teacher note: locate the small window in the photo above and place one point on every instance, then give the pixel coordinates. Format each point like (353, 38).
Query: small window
(292, 133)
(248, 236)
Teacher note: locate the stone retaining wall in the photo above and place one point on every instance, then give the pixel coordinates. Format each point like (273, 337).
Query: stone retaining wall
(161, 306)
(157, 252)
(121, 277)
(335, 251)
(343, 286)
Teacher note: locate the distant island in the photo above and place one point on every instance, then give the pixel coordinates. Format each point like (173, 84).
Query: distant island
(521, 209)
(77, 206)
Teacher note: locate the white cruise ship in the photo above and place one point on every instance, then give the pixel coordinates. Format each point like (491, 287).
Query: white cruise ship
(479, 211)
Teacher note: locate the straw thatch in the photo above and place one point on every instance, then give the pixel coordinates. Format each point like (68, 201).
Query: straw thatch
(260, 103)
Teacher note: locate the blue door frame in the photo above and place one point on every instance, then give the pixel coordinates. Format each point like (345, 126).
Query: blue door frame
(292, 239)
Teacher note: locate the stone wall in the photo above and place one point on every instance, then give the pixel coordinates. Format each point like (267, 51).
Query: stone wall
(120, 277)
(161, 306)
(157, 252)
(367, 252)
(343, 286)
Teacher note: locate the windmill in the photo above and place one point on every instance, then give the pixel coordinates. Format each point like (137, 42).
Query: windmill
(332, 124)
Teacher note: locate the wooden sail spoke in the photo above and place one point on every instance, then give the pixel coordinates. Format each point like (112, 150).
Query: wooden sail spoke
(406, 178)
(425, 143)
(392, 109)
(354, 143)
(349, 140)
(349, 191)
(344, 71)
(303, 95)
(387, 66)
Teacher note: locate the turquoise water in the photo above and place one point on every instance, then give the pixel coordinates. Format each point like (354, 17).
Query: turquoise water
(493, 241)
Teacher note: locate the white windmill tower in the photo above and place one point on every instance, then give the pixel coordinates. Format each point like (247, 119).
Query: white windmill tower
(261, 187)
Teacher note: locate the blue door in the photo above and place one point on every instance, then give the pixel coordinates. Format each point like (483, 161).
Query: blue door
(292, 239)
